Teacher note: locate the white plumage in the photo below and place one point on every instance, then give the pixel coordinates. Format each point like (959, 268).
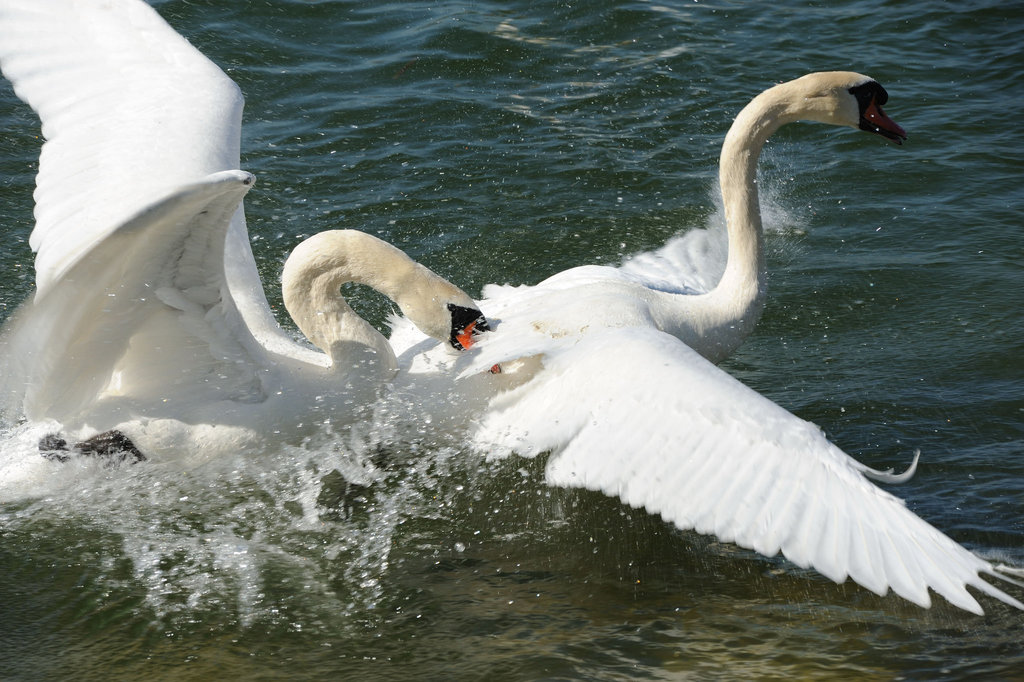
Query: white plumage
(149, 312)
(149, 316)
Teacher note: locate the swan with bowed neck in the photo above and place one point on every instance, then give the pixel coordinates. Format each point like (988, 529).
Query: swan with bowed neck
(149, 316)
(175, 374)
(149, 309)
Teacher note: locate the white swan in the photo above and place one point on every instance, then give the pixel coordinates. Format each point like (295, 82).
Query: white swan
(595, 375)
(133, 325)
(160, 353)
(149, 313)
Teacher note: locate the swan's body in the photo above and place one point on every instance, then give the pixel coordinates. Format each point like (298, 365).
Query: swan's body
(148, 315)
(148, 312)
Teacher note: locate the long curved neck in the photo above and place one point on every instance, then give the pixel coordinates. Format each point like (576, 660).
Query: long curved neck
(730, 311)
(311, 284)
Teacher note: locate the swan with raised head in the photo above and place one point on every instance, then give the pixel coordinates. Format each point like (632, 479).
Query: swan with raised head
(594, 374)
(149, 318)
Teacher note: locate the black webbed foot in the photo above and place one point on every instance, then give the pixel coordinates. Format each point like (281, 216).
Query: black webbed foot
(110, 444)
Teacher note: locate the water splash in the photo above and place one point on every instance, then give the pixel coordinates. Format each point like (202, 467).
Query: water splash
(693, 261)
(255, 538)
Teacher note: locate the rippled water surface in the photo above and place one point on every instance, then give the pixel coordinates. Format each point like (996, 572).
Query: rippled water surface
(503, 142)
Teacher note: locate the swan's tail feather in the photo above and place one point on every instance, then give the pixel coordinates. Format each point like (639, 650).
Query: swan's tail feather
(888, 476)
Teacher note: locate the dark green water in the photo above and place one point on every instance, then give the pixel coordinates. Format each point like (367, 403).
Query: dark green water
(503, 142)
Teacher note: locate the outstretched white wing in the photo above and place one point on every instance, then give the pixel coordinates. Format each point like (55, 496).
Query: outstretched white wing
(129, 110)
(663, 429)
(137, 195)
(141, 318)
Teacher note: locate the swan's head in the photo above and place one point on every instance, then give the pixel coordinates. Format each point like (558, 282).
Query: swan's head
(844, 98)
(440, 309)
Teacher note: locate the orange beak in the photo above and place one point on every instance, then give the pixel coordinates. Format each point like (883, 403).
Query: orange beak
(874, 120)
(465, 337)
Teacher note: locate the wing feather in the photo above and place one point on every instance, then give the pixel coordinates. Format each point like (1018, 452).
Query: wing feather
(130, 111)
(664, 429)
(128, 293)
(137, 200)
